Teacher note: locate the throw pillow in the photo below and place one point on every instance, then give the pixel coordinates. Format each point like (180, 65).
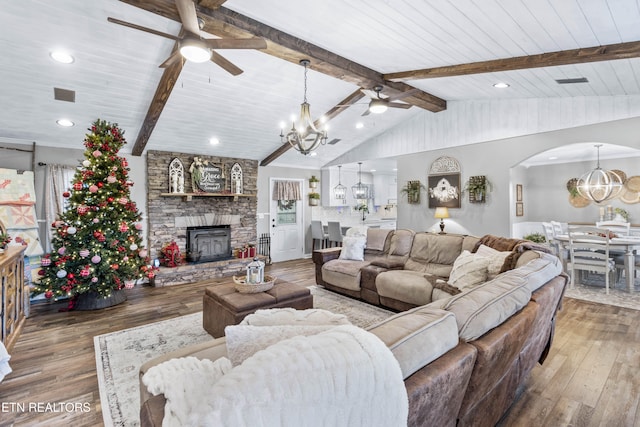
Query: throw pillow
(468, 270)
(353, 248)
(291, 316)
(496, 259)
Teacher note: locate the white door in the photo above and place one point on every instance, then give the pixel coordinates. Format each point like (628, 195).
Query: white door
(286, 228)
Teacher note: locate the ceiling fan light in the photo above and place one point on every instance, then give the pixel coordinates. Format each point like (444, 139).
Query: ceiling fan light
(195, 50)
(377, 106)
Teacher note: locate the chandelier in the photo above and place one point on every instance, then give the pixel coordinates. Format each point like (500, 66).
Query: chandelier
(360, 190)
(306, 137)
(599, 185)
(340, 191)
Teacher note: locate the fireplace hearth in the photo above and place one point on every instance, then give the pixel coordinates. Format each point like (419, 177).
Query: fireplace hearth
(208, 243)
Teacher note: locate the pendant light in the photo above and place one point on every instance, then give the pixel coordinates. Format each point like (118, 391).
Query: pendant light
(360, 190)
(599, 185)
(306, 137)
(340, 191)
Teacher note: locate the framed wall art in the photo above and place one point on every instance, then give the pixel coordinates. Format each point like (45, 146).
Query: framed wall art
(443, 183)
(518, 192)
(519, 209)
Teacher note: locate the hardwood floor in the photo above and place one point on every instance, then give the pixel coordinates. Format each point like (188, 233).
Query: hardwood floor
(589, 379)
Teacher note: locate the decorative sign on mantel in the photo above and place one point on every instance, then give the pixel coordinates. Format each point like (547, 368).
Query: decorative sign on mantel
(207, 177)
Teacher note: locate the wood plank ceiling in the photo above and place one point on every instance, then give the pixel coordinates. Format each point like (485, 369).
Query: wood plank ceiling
(450, 51)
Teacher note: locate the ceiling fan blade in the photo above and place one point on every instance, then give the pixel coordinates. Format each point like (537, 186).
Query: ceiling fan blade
(399, 105)
(366, 112)
(403, 95)
(188, 16)
(173, 58)
(225, 63)
(141, 28)
(252, 43)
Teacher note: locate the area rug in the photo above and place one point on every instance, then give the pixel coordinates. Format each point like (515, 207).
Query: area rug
(592, 289)
(120, 354)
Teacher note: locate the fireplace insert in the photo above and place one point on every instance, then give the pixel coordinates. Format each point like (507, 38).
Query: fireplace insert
(208, 243)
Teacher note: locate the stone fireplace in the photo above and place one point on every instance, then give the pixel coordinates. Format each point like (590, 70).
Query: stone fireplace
(208, 243)
(170, 216)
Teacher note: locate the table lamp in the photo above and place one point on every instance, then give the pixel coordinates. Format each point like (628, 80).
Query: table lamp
(441, 213)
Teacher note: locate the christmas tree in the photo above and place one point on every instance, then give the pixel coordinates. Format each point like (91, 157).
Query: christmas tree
(97, 245)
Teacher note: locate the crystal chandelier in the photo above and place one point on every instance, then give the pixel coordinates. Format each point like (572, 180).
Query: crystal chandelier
(340, 191)
(360, 190)
(306, 137)
(599, 185)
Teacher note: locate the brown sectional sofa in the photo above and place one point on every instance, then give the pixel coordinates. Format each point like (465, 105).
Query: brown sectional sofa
(463, 357)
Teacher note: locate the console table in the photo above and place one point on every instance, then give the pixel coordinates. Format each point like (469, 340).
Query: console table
(14, 297)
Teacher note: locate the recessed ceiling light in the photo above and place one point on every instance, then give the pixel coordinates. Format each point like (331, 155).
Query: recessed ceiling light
(372, 170)
(61, 56)
(65, 123)
(501, 85)
(553, 158)
(214, 141)
(313, 154)
(359, 125)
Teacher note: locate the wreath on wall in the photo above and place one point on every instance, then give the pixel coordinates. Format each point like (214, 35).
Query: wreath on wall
(286, 205)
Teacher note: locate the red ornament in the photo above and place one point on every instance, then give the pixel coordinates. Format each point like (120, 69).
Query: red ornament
(115, 266)
(110, 199)
(48, 294)
(77, 186)
(101, 238)
(82, 209)
(96, 234)
(70, 276)
(100, 184)
(123, 201)
(66, 194)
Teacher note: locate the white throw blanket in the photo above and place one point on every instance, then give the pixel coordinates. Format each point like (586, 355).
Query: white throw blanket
(345, 376)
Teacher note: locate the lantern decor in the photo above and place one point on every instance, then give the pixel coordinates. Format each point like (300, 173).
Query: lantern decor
(170, 255)
(254, 281)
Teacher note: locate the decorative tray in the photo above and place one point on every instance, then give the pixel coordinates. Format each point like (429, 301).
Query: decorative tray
(253, 288)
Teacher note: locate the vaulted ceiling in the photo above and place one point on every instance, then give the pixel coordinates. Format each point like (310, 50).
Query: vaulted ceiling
(448, 50)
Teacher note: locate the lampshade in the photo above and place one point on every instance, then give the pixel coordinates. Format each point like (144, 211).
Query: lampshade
(441, 213)
(195, 50)
(599, 185)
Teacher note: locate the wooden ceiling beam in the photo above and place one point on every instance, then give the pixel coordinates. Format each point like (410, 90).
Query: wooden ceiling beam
(165, 86)
(564, 57)
(223, 22)
(211, 4)
(342, 105)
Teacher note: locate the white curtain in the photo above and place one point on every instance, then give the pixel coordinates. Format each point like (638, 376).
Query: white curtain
(57, 181)
(286, 190)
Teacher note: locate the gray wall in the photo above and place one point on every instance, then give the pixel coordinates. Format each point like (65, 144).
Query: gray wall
(495, 160)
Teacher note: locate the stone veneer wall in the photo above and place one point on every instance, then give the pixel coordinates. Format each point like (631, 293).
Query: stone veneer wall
(163, 211)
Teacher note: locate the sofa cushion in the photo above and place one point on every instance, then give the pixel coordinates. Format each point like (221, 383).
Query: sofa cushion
(539, 271)
(418, 336)
(401, 242)
(434, 253)
(343, 273)
(353, 248)
(496, 259)
(407, 286)
(488, 305)
(468, 270)
(376, 238)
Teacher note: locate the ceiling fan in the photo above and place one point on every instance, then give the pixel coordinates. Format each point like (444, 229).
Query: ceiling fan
(192, 46)
(379, 103)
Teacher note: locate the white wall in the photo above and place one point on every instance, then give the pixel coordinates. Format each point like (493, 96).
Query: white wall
(495, 160)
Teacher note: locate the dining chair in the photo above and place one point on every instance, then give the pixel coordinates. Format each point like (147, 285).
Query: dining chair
(335, 233)
(318, 234)
(617, 227)
(589, 251)
(557, 228)
(547, 229)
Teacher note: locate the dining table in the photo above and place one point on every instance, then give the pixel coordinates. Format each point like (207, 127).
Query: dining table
(624, 243)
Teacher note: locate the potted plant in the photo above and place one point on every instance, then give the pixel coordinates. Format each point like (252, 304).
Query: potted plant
(412, 190)
(4, 241)
(314, 199)
(478, 187)
(313, 182)
(536, 238)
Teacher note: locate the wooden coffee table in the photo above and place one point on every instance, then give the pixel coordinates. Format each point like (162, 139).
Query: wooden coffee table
(222, 305)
